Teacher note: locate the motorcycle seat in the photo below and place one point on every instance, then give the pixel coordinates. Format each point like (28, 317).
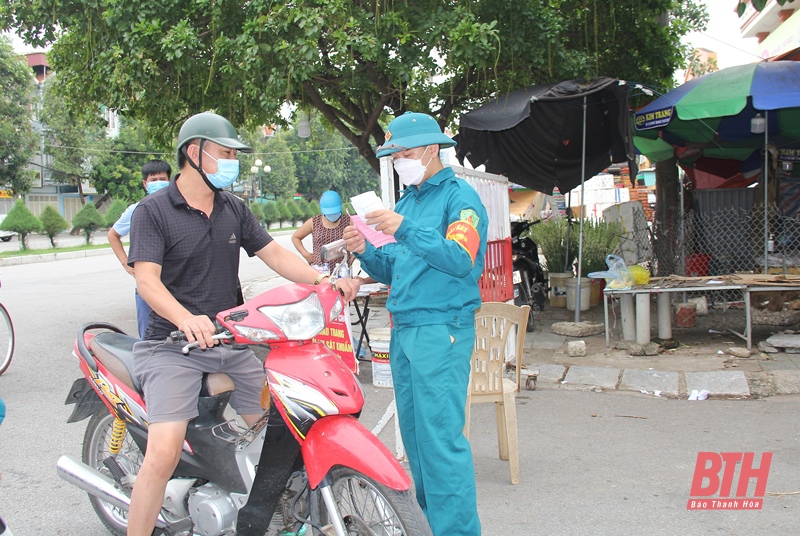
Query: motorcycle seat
(115, 352)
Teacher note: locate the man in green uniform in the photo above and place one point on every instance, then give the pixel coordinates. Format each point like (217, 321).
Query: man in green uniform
(440, 225)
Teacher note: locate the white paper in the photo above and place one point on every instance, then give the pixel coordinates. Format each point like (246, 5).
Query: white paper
(366, 203)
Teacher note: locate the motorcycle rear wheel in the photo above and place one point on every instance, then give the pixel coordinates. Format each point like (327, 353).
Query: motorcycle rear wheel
(95, 450)
(371, 509)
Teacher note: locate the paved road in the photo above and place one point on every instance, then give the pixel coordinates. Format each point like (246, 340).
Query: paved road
(592, 463)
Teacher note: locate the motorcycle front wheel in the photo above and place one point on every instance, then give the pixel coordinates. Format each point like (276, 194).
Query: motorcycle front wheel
(368, 508)
(96, 443)
(6, 339)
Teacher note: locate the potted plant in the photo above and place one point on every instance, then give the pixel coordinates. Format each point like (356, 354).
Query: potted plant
(551, 237)
(599, 240)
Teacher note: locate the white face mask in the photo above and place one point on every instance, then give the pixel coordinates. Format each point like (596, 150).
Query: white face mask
(410, 170)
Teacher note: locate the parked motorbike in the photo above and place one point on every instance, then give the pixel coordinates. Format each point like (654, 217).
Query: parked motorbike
(530, 287)
(306, 464)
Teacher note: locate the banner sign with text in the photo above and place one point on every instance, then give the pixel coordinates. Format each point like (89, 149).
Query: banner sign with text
(337, 336)
(654, 119)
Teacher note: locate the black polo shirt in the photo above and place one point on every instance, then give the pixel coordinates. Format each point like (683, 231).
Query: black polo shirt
(199, 257)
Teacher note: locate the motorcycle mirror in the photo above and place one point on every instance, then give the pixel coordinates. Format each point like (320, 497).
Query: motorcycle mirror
(332, 251)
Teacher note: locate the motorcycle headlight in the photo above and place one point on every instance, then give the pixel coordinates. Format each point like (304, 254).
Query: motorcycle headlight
(298, 321)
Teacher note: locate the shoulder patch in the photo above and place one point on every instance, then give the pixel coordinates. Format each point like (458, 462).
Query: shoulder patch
(470, 217)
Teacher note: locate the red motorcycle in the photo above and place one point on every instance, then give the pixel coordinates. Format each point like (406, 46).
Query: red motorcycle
(307, 463)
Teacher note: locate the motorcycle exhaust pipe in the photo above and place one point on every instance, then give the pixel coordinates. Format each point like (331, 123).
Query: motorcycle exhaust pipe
(97, 484)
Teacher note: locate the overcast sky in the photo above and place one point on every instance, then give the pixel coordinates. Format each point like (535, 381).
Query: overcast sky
(722, 35)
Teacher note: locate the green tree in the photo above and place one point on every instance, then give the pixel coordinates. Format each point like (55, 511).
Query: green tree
(17, 140)
(52, 223)
(281, 181)
(117, 165)
(346, 61)
(74, 135)
(305, 208)
(295, 210)
(284, 212)
(88, 220)
(315, 207)
(20, 220)
(271, 213)
(115, 211)
(255, 208)
(326, 160)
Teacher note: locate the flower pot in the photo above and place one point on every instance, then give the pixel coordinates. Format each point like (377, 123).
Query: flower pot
(558, 288)
(596, 291)
(572, 291)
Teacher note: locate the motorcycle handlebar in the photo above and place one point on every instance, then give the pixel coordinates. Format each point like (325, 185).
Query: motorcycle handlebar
(179, 336)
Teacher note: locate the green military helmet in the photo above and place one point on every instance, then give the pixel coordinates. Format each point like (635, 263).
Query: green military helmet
(212, 127)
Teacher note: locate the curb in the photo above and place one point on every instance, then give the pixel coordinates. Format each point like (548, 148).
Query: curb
(720, 384)
(49, 257)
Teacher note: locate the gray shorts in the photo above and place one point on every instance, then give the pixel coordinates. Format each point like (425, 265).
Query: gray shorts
(171, 381)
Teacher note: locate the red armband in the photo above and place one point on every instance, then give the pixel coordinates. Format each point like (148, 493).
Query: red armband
(466, 236)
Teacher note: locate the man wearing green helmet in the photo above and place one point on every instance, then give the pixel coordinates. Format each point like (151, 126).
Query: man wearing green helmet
(185, 251)
(440, 225)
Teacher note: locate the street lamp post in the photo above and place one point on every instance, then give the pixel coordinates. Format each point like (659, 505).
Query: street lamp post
(255, 170)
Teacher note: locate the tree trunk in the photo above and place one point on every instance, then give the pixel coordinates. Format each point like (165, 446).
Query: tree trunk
(80, 190)
(667, 244)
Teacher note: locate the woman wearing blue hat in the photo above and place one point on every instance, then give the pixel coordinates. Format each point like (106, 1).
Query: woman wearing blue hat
(324, 228)
(433, 269)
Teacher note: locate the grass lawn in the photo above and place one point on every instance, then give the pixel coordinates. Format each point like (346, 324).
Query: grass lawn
(44, 251)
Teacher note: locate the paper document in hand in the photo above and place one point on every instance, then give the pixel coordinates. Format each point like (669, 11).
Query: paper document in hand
(376, 238)
(366, 203)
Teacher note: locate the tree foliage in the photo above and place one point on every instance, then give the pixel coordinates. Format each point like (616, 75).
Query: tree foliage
(255, 208)
(17, 139)
(281, 181)
(74, 135)
(117, 165)
(284, 212)
(349, 61)
(52, 223)
(20, 220)
(115, 211)
(271, 213)
(88, 220)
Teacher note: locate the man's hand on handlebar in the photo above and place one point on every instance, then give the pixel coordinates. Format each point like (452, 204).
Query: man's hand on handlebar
(199, 328)
(348, 287)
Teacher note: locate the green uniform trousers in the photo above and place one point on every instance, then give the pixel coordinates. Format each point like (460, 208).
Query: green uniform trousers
(430, 370)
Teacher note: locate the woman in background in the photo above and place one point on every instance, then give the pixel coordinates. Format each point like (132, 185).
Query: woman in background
(324, 228)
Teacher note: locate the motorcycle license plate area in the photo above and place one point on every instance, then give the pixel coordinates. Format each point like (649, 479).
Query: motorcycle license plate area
(516, 277)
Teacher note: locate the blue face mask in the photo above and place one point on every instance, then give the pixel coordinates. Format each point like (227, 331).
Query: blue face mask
(333, 218)
(153, 187)
(227, 172)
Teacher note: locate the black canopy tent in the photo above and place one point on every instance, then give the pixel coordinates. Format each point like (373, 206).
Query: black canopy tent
(534, 135)
(551, 135)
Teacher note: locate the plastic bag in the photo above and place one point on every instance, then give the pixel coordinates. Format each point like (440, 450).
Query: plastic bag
(640, 274)
(618, 276)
